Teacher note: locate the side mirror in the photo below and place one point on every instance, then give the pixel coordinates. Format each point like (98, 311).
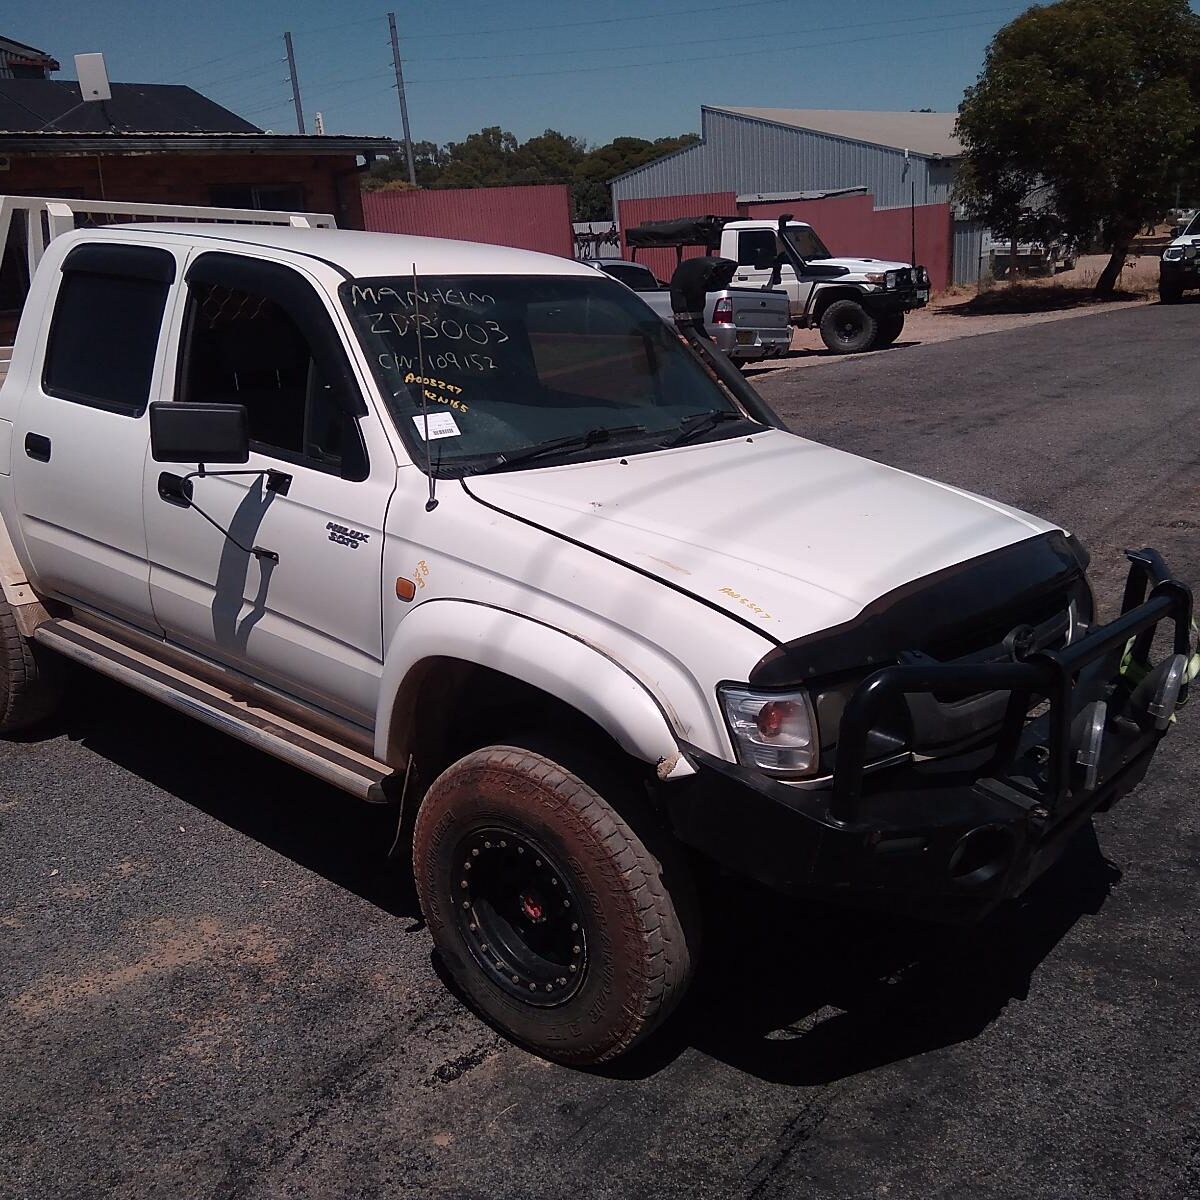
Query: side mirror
(764, 262)
(198, 433)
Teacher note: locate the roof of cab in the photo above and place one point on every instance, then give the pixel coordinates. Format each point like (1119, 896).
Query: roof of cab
(363, 255)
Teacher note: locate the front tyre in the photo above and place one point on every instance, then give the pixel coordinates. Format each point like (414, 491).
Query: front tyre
(560, 925)
(847, 327)
(1170, 293)
(891, 326)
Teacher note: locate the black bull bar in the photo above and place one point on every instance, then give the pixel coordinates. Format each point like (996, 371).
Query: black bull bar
(1059, 676)
(949, 838)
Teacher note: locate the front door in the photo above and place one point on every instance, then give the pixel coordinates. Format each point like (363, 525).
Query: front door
(757, 251)
(81, 431)
(309, 621)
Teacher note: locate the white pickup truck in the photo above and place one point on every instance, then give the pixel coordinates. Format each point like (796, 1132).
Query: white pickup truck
(469, 531)
(857, 304)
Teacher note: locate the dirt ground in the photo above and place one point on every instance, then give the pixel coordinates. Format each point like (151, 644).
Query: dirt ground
(948, 317)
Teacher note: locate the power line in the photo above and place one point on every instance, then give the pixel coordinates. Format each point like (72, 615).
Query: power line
(707, 41)
(351, 82)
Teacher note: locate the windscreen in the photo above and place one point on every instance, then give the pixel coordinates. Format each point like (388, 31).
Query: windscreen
(806, 243)
(507, 363)
(1193, 226)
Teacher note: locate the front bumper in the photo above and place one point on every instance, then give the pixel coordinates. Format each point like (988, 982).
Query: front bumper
(950, 839)
(1180, 272)
(904, 300)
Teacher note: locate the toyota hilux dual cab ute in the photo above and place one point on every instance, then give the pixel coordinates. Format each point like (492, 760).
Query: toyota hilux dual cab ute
(856, 303)
(748, 324)
(470, 531)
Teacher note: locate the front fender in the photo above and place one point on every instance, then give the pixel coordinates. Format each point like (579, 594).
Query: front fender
(566, 667)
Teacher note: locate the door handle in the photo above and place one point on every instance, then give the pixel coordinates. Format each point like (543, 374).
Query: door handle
(174, 489)
(37, 446)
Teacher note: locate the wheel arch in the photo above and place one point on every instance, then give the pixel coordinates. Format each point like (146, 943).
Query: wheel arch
(451, 656)
(824, 297)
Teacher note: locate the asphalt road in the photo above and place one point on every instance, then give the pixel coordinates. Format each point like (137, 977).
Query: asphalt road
(212, 985)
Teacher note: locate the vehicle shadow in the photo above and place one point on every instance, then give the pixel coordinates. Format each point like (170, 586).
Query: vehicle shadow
(307, 821)
(789, 991)
(805, 994)
(822, 352)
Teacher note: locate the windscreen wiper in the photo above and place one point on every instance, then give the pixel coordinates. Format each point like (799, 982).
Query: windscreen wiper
(701, 423)
(574, 441)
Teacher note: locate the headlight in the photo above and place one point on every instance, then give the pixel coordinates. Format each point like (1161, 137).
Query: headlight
(1173, 253)
(776, 733)
(891, 279)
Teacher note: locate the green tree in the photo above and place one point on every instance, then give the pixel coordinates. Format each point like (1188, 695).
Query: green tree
(551, 157)
(1082, 120)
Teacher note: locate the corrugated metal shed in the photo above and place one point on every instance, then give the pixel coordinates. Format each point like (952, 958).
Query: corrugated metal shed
(968, 252)
(754, 153)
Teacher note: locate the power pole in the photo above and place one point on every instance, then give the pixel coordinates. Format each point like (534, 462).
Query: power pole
(291, 60)
(408, 149)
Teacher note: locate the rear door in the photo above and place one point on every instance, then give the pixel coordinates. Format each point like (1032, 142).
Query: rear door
(259, 334)
(81, 430)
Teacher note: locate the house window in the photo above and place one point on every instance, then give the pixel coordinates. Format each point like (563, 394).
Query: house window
(279, 197)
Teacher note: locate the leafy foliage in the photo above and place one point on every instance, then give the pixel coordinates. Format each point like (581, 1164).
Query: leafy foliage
(493, 157)
(1084, 122)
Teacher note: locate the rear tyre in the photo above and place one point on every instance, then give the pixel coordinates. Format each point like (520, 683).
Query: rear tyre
(891, 326)
(1170, 293)
(559, 924)
(847, 327)
(29, 690)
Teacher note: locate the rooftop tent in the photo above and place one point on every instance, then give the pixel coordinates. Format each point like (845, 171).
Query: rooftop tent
(685, 231)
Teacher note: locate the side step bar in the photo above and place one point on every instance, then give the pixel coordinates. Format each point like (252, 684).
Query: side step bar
(339, 765)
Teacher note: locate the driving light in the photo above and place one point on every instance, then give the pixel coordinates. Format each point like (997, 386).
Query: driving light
(776, 733)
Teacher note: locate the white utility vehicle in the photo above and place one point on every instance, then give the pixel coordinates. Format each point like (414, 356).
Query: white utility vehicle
(470, 531)
(1180, 265)
(746, 324)
(857, 303)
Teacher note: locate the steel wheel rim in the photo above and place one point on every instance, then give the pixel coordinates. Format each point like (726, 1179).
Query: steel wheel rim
(849, 328)
(520, 916)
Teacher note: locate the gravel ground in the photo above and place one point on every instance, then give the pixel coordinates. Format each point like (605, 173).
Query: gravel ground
(214, 986)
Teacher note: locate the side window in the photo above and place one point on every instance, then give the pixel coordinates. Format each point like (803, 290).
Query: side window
(756, 248)
(253, 346)
(105, 328)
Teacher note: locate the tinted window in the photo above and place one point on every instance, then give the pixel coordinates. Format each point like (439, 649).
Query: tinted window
(245, 348)
(756, 246)
(641, 279)
(103, 340)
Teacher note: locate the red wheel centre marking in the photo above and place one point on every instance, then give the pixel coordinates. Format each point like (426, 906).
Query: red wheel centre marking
(533, 910)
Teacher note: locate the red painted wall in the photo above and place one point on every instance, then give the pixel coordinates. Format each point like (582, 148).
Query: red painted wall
(530, 218)
(666, 208)
(853, 225)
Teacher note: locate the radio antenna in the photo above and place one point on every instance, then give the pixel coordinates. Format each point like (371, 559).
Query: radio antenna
(431, 503)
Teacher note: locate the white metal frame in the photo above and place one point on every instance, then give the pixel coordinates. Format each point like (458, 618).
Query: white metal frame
(60, 215)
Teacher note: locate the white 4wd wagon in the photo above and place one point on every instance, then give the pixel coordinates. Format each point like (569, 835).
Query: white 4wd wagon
(471, 531)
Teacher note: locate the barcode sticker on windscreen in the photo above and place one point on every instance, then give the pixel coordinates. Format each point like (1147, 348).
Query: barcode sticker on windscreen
(441, 424)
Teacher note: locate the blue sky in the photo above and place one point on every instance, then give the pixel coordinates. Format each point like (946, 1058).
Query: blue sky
(597, 70)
